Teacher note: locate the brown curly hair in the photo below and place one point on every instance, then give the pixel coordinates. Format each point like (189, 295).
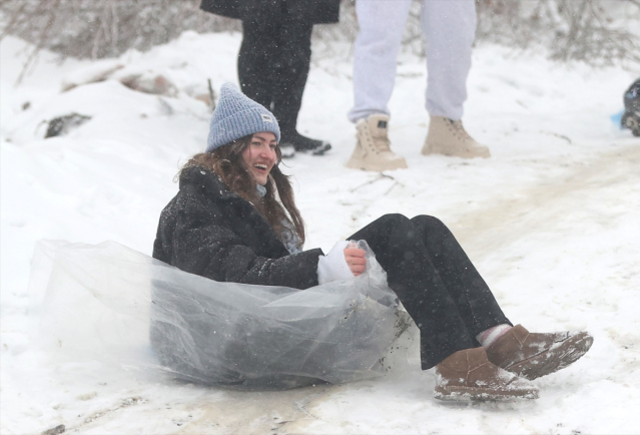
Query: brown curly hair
(228, 164)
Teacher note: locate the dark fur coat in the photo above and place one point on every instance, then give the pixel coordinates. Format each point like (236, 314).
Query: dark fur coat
(209, 231)
(310, 11)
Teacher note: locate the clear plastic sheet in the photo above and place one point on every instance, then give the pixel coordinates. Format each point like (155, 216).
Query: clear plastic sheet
(113, 304)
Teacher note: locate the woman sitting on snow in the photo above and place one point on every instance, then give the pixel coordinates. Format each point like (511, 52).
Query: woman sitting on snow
(235, 220)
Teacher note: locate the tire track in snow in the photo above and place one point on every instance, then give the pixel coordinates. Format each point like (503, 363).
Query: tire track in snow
(506, 219)
(257, 413)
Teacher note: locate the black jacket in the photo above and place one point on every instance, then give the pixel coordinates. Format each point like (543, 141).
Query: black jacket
(209, 231)
(310, 11)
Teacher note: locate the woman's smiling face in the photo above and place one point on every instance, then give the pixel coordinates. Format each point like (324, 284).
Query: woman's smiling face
(260, 156)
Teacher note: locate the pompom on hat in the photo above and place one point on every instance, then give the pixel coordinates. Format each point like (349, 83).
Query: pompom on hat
(237, 116)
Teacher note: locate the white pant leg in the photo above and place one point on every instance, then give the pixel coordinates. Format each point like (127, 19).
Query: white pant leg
(449, 26)
(376, 50)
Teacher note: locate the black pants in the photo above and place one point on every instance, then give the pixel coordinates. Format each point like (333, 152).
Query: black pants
(273, 64)
(435, 281)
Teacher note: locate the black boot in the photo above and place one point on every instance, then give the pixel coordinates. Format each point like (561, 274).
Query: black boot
(303, 143)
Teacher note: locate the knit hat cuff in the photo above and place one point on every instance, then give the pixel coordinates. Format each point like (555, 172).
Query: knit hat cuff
(237, 116)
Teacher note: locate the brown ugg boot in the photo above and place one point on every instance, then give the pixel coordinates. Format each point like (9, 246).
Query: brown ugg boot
(467, 375)
(373, 150)
(451, 139)
(532, 355)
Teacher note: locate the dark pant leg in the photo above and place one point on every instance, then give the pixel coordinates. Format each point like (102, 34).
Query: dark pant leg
(291, 72)
(475, 301)
(273, 65)
(258, 50)
(438, 311)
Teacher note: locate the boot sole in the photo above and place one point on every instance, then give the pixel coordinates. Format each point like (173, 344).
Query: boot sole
(428, 150)
(317, 151)
(469, 394)
(365, 166)
(321, 150)
(556, 358)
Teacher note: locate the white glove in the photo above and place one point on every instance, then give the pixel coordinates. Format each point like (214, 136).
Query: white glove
(333, 266)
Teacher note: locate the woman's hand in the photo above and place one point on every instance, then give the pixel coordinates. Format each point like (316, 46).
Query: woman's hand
(355, 260)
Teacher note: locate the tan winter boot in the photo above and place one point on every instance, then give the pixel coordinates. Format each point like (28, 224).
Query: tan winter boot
(450, 138)
(372, 152)
(533, 355)
(468, 375)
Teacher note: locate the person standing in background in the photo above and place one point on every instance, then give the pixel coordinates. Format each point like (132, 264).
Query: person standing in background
(449, 27)
(274, 58)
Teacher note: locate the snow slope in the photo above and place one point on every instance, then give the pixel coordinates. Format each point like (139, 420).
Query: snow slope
(551, 220)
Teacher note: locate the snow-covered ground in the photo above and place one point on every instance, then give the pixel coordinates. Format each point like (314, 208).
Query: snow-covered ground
(552, 221)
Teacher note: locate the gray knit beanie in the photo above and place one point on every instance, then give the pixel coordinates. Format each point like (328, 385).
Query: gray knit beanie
(237, 116)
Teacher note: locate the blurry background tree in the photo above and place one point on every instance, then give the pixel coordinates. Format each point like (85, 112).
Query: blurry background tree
(594, 31)
(598, 32)
(103, 28)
